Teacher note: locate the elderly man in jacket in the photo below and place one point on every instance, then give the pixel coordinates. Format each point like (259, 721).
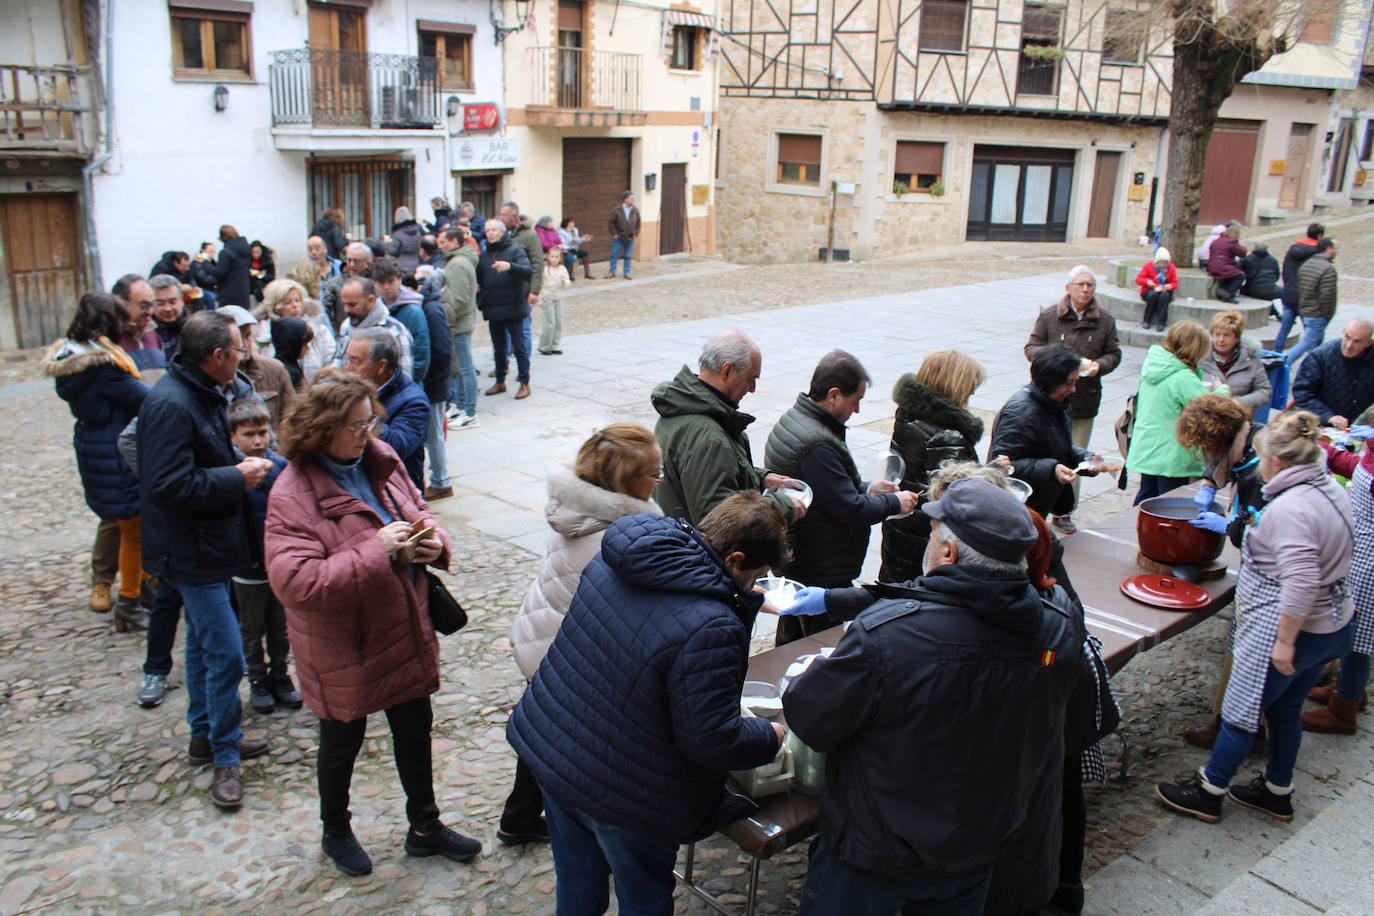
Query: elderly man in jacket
(706, 453)
(195, 534)
(1336, 381)
(1080, 323)
(633, 719)
(808, 443)
(1316, 299)
(919, 804)
(373, 354)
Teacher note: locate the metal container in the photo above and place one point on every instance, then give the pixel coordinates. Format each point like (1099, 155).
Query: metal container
(808, 767)
(1164, 535)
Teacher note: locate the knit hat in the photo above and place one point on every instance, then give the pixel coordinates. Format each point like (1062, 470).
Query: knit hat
(1162, 254)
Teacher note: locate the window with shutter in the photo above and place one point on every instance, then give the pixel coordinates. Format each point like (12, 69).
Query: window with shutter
(942, 25)
(799, 159)
(1038, 72)
(1123, 37)
(918, 165)
(210, 44)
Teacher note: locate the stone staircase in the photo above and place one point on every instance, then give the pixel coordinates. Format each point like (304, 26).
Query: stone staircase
(1193, 300)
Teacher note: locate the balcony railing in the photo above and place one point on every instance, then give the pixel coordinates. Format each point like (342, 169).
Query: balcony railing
(314, 88)
(582, 79)
(41, 108)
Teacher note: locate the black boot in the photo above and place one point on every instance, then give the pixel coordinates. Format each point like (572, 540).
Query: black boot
(344, 850)
(261, 695)
(285, 691)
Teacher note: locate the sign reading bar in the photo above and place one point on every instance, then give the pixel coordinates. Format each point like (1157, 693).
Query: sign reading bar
(481, 116)
(476, 153)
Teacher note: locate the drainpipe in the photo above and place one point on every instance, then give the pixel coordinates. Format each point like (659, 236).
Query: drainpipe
(88, 171)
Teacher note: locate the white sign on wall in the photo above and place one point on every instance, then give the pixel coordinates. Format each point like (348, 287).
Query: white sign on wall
(475, 153)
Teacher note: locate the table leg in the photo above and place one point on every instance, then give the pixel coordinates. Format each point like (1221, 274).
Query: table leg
(752, 901)
(688, 881)
(1125, 756)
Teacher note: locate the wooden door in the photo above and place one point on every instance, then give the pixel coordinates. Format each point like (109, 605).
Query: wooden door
(672, 211)
(44, 264)
(595, 173)
(338, 73)
(1104, 195)
(1228, 174)
(572, 64)
(1295, 166)
(1020, 194)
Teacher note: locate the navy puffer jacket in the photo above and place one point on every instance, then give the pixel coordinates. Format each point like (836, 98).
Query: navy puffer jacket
(633, 717)
(1330, 384)
(104, 398)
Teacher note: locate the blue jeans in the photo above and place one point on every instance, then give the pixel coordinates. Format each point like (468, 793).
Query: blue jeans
(1230, 286)
(1354, 676)
(1282, 705)
(463, 386)
(507, 336)
(619, 248)
(1152, 485)
(1313, 333)
(214, 667)
(1290, 317)
(163, 618)
(587, 852)
(435, 448)
(835, 887)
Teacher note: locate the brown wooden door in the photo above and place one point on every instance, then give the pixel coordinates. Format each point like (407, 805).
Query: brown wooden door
(1229, 171)
(595, 173)
(672, 212)
(1295, 166)
(44, 264)
(1104, 195)
(338, 73)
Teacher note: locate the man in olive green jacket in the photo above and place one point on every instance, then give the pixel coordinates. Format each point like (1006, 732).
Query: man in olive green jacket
(706, 454)
(460, 301)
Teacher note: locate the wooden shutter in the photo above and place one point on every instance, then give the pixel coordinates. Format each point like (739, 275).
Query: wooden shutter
(918, 158)
(942, 25)
(802, 148)
(1040, 24)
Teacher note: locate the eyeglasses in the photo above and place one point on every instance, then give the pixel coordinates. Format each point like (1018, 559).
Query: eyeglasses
(362, 429)
(241, 351)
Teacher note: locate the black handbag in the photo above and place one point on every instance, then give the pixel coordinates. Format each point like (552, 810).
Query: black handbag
(445, 612)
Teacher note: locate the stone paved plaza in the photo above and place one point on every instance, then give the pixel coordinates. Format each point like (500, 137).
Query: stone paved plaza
(99, 813)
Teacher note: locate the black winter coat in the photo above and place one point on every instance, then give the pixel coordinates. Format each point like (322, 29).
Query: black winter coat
(235, 284)
(332, 235)
(634, 715)
(501, 295)
(440, 370)
(929, 430)
(165, 266)
(195, 521)
(1298, 252)
(405, 245)
(907, 783)
(205, 274)
(1330, 385)
(1261, 276)
(1035, 433)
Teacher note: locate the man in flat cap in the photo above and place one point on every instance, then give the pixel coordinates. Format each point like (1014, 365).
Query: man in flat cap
(940, 710)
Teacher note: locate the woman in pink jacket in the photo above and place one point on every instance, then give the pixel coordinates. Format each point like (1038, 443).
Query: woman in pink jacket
(345, 562)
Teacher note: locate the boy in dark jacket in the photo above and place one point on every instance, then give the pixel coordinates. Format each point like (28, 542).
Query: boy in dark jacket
(260, 613)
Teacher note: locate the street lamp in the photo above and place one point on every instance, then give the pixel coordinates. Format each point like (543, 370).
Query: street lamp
(221, 97)
(453, 106)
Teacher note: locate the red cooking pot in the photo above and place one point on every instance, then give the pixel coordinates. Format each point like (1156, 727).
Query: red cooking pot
(1164, 535)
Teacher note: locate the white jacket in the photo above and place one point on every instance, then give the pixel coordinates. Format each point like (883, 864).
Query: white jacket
(579, 513)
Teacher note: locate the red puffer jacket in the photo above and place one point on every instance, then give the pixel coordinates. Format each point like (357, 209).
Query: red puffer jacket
(1149, 274)
(359, 626)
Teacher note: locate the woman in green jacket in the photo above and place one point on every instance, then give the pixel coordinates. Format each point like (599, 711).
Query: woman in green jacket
(1169, 379)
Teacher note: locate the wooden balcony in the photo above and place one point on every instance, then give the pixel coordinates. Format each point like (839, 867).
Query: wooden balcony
(576, 87)
(44, 110)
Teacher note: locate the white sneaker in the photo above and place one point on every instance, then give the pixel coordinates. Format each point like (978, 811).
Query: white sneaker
(468, 421)
(454, 412)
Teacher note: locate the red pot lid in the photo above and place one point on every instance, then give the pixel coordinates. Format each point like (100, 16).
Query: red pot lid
(1166, 592)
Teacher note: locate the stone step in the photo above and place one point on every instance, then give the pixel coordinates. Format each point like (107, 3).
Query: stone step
(1191, 281)
(1125, 304)
(1133, 335)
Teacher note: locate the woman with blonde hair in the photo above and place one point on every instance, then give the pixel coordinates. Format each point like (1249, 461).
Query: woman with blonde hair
(288, 298)
(1236, 362)
(614, 475)
(1169, 379)
(1293, 614)
(933, 426)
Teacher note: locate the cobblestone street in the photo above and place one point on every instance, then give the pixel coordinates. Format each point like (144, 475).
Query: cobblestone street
(100, 813)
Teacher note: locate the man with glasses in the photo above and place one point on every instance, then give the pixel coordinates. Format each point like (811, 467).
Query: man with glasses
(1078, 322)
(373, 354)
(357, 260)
(138, 339)
(195, 537)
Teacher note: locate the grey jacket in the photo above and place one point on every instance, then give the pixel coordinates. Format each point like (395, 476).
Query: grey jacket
(1248, 381)
(1317, 287)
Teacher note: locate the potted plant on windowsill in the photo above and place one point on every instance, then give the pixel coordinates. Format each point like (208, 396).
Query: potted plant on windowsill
(1046, 53)
(937, 189)
(900, 187)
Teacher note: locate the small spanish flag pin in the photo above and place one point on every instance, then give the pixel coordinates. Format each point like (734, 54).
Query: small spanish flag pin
(1047, 658)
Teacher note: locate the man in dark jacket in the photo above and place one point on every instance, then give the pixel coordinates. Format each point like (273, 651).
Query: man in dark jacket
(502, 273)
(919, 805)
(1032, 429)
(1261, 274)
(706, 453)
(374, 355)
(169, 314)
(633, 719)
(195, 534)
(406, 305)
(522, 233)
(1336, 381)
(1080, 323)
(1222, 262)
(234, 285)
(437, 391)
(624, 226)
(1316, 298)
(1298, 252)
(808, 443)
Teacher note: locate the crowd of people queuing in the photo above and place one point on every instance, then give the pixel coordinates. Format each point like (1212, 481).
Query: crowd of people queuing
(255, 448)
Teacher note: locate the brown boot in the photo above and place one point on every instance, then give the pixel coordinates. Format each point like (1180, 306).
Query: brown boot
(1336, 718)
(1323, 695)
(498, 388)
(100, 596)
(226, 790)
(1204, 736)
(523, 392)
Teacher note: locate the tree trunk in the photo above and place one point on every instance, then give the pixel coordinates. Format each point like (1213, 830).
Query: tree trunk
(1193, 111)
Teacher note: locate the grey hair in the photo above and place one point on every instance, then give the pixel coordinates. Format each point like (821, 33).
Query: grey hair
(165, 281)
(381, 345)
(1362, 322)
(951, 470)
(727, 347)
(468, 206)
(512, 204)
(369, 288)
(1080, 270)
(358, 248)
(972, 559)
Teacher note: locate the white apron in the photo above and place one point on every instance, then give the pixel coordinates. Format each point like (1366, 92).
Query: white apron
(1362, 559)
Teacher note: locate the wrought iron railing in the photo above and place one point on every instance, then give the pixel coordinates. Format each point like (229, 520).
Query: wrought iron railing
(579, 78)
(42, 108)
(317, 88)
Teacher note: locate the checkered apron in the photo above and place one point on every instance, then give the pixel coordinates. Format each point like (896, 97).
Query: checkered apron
(1255, 629)
(1362, 559)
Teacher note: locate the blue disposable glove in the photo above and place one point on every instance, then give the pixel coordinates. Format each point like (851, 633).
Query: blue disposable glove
(1362, 432)
(809, 602)
(1211, 522)
(1204, 498)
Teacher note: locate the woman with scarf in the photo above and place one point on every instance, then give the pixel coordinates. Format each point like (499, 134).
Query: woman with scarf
(104, 390)
(1235, 362)
(291, 339)
(1293, 615)
(1157, 281)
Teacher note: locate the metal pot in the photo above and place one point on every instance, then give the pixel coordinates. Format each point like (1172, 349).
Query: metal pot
(808, 767)
(1164, 535)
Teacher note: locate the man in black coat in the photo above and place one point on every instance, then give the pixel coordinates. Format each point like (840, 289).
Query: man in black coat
(920, 803)
(1297, 254)
(1261, 274)
(1336, 381)
(234, 284)
(502, 273)
(195, 533)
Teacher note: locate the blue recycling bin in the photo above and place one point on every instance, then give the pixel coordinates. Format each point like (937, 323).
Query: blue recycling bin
(1278, 380)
